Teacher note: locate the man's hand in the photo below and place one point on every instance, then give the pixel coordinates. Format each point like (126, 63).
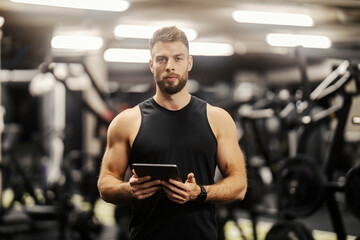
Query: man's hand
(143, 187)
(180, 192)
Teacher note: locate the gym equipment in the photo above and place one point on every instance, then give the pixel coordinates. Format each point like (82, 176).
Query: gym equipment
(9, 138)
(12, 169)
(263, 143)
(93, 99)
(289, 230)
(47, 204)
(303, 185)
(352, 192)
(262, 134)
(300, 186)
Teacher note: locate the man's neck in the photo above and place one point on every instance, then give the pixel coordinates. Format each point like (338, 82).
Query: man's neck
(172, 101)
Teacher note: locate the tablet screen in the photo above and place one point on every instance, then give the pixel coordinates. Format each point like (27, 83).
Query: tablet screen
(157, 171)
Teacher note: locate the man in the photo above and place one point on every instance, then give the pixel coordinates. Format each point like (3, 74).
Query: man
(177, 128)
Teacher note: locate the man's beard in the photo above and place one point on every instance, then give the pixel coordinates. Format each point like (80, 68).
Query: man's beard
(172, 87)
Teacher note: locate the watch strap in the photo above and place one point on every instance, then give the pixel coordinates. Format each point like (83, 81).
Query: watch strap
(203, 194)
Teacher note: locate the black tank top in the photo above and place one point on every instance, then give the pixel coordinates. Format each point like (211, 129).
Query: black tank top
(183, 137)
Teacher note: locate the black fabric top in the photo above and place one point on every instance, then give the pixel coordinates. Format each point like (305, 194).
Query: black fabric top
(183, 137)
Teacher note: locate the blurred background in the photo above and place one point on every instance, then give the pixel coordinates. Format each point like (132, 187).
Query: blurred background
(286, 71)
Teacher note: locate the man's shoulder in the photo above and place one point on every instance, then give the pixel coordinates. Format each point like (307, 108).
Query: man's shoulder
(218, 118)
(129, 114)
(217, 112)
(126, 118)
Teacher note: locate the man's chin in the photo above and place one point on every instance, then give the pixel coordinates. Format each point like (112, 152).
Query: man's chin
(170, 87)
(170, 91)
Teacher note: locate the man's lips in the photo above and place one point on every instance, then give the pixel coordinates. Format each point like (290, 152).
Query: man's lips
(171, 78)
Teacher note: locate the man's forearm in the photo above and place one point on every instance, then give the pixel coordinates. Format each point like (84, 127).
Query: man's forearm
(229, 189)
(114, 191)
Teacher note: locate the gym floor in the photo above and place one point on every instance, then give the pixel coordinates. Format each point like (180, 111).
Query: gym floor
(319, 222)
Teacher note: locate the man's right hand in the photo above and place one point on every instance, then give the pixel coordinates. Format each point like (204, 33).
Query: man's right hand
(143, 187)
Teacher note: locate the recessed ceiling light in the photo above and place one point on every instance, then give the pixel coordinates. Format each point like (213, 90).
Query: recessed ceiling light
(294, 40)
(146, 32)
(127, 55)
(76, 42)
(275, 18)
(103, 5)
(211, 49)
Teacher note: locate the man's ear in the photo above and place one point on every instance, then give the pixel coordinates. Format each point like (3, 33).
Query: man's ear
(190, 63)
(151, 65)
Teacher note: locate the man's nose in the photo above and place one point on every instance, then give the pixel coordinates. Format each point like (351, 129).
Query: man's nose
(170, 65)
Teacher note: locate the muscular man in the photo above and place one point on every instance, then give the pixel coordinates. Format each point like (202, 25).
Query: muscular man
(173, 127)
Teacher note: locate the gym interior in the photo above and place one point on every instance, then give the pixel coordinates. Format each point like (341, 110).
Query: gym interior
(288, 72)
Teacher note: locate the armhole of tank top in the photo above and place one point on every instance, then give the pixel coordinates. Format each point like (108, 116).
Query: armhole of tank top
(140, 127)
(208, 123)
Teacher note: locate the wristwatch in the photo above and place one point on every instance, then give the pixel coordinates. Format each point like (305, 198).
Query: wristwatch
(202, 196)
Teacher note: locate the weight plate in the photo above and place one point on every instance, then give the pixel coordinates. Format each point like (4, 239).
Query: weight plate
(300, 187)
(352, 190)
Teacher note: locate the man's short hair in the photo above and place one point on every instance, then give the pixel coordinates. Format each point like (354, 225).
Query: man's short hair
(169, 34)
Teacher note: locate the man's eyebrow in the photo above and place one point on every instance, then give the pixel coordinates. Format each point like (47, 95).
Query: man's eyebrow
(179, 55)
(160, 56)
(175, 55)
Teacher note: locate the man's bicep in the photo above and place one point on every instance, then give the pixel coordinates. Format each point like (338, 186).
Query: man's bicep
(229, 155)
(115, 160)
(120, 133)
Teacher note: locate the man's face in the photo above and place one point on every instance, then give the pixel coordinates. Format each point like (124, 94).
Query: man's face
(170, 64)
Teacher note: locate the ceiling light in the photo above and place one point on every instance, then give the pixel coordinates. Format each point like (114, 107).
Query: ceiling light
(273, 18)
(2, 21)
(211, 49)
(103, 5)
(146, 32)
(293, 40)
(127, 55)
(76, 42)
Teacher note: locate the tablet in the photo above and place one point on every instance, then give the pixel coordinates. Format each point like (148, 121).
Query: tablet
(157, 171)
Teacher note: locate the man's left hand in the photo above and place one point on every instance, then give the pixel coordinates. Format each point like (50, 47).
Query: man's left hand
(180, 192)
